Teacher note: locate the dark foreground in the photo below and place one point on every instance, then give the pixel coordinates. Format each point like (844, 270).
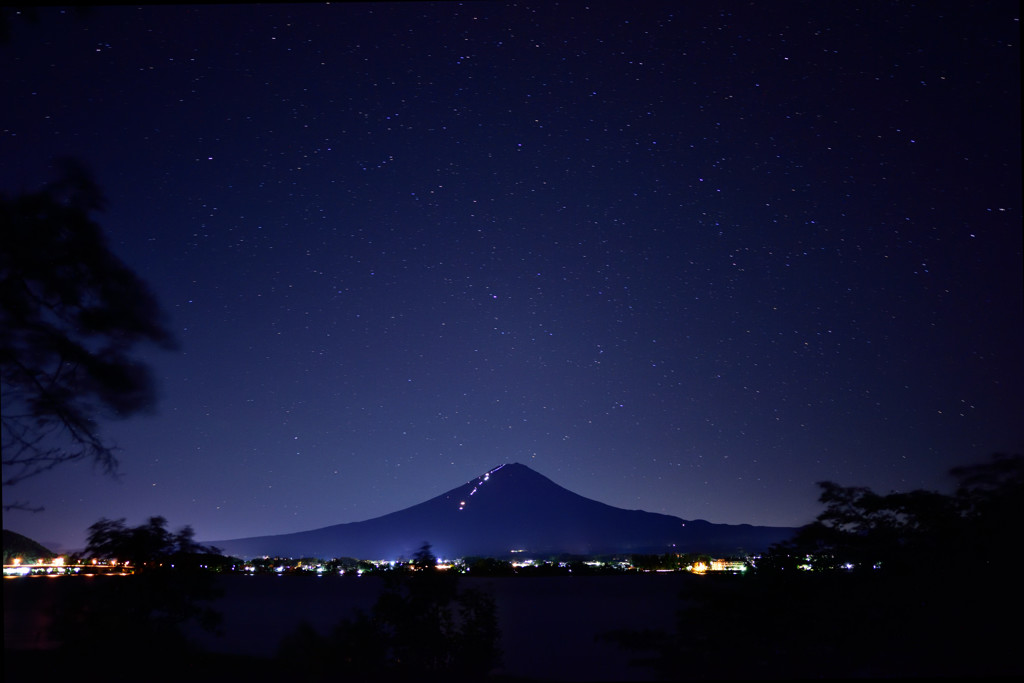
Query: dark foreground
(549, 625)
(582, 628)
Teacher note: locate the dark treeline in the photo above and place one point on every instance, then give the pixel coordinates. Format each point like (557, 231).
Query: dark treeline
(143, 613)
(974, 529)
(915, 584)
(422, 627)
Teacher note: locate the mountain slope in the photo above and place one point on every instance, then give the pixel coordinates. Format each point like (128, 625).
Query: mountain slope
(23, 547)
(510, 508)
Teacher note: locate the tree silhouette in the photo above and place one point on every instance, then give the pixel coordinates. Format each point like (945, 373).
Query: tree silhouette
(146, 546)
(143, 614)
(422, 627)
(903, 531)
(71, 314)
(937, 605)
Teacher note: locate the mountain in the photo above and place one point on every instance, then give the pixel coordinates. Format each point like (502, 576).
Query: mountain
(511, 508)
(24, 548)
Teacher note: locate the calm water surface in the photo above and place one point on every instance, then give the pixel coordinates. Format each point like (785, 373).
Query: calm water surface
(549, 625)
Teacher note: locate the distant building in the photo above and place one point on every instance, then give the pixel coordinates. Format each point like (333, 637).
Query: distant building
(728, 566)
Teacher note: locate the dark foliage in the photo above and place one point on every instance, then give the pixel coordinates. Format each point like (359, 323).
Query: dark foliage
(488, 566)
(421, 628)
(145, 612)
(146, 546)
(71, 315)
(905, 584)
(917, 530)
(990, 499)
(831, 625)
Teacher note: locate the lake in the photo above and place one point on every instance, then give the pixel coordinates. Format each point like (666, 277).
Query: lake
(549, 625)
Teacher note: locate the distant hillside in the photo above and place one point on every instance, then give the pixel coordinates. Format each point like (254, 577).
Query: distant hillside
(18, 546)
(512, 508)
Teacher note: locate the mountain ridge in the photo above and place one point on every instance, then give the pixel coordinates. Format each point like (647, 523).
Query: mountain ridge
(510, 508)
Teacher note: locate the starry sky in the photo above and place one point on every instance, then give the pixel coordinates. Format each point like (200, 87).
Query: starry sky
(685, 257)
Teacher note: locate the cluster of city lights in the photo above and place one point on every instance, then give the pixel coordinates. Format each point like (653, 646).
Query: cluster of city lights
(59, 567)
(20, 568)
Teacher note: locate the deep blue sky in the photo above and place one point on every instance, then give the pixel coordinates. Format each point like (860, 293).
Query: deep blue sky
(684, 257)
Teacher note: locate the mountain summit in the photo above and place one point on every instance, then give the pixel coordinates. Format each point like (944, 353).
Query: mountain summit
(511, 508)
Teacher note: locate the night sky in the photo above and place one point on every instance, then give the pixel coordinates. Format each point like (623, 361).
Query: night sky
(685, 257)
